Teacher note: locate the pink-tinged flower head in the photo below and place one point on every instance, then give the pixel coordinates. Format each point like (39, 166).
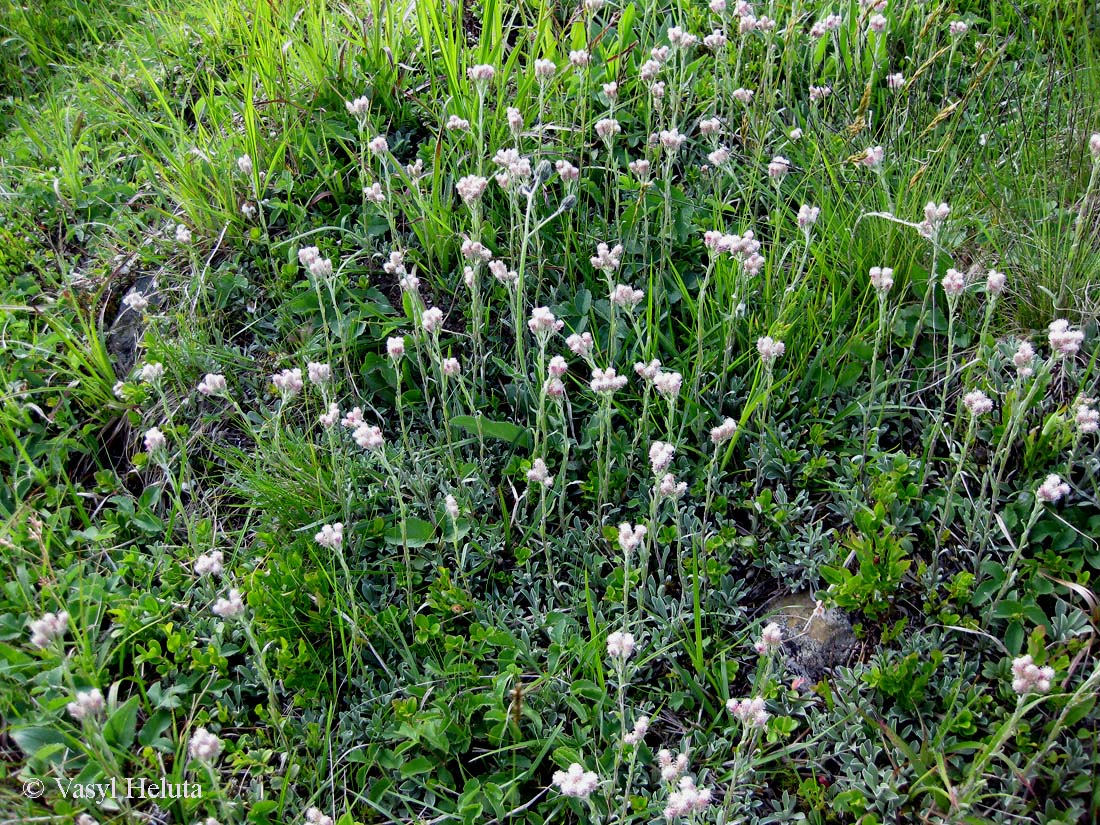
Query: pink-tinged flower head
(631, 537)
(954, 282)
(671, 768)
(1053, 489)
(608, 128)
(877, 23)
(1064, 340)
(671, 139)
(515, 119)
(882, 279)
(540, 474)
(471, 187)
(593, 6)
(314, 816)
(576, 782)
(374, 194)
(318, 373)
(451, 367)
(353, 418)
(330, 417)
(686, 799)
(1087, 418)
(212, 384)
(718, 6)
(719, 156)
(710, 126)
(517, 166)
(482, 74)
(395, 347)
(368, 437)
(808, 215)
(1027, 677)
(744, 96)
(753, 264)
(649, 70)
(995, 282)
(87, 705)
(770, 639)
(607, 260)
(579, 58)
(450, 504)
(820, 93)
(660, 456)
(288, 382)
(626, 296)
(244, 164)
(607, 381)
(873, 157)
(183, 234)
(724, 431)
(378, 145)
(1094, 146)
(770, 349)
(475, 251)
(320, 267)
(958, 28)
(204, 746)
(154, 440)
(681, 39)
(647, 371)
(778, 168)
(750, 711)
(330, 536)
(716, 40)
(795, 134)
(765, 23)
(553, 387)
(51, 626)
(637, 735)
(669, 487)
(825, 25)
(502, 273)
(457, 124)
(557, 367)
(431, 319)
(567, 171)
(935, 214)
(580, 345)
(620, 645)
(668, 383)
(1024, 359)
(640, 168)
(544, 69)
(543, 322)
(977, 402)
(895, 80)
(358, 107)
(231, 606)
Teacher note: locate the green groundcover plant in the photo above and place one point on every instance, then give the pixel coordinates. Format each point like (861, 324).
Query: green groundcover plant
(619, 412)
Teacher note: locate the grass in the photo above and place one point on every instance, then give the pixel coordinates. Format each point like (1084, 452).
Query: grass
(446, 658)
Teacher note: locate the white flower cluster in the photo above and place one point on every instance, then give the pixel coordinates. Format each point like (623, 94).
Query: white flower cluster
(576, 782)
(51, 626)
(1027, 677)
